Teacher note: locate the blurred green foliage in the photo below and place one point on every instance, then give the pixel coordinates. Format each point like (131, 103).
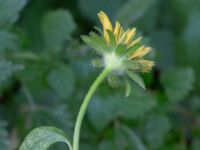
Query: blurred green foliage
(45, 71)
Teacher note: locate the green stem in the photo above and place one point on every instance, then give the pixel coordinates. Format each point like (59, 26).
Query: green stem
(84, 106)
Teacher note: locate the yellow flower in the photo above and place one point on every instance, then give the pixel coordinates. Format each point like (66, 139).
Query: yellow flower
(122, 52)
(126, 38)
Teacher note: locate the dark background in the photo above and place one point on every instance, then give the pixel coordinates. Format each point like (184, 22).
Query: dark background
(45, 71)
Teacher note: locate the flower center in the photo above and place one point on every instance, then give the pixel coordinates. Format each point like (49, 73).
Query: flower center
(112, 61)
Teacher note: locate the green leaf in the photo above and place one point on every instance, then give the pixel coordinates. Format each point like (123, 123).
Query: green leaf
(8, 41)
(135, 77)
(112, 40)
(131, 65)
(62, 81)
(57, 27)
(91, 10)
(5, 141)
(97, 62)
(189, 53)
(107, 145)
(136, 105)
(100, 109)
(60, 117)
(196, 143)
(7, 69)
(113, 81)
(133, 9)
(128, 88)
(133, 139)
(9, 11)
(107, 108)
(177, 83)
(43, 137)
(96, 42)
(156, 128)
(121, 49)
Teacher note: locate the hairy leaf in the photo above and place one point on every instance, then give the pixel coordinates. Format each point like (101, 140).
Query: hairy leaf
(43, 137)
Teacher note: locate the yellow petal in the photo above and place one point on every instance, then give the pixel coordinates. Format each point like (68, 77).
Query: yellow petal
(140, 52)
(121, 32)
(123, 36)
(117, 30)
(135, 41)
(107, 25)
(130, 36)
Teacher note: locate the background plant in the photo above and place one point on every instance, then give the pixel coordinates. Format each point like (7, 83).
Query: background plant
(41, 57)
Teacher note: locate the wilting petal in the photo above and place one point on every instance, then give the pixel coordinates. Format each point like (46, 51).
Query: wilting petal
(146, 65)
(138, 40)
(140, 52)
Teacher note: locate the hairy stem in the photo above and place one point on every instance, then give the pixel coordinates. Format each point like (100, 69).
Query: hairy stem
(84, 106)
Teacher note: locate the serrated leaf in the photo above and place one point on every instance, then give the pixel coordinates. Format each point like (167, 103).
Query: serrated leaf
(62, 81)
(43, 137)
(177, 83)
(9, 11)
(57, 27)
(135, 77)
(7, 69)
(133, 107)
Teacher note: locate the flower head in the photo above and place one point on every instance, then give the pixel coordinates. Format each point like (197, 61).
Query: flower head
(121, 50)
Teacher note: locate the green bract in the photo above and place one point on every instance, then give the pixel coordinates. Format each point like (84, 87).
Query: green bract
(117, 57)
